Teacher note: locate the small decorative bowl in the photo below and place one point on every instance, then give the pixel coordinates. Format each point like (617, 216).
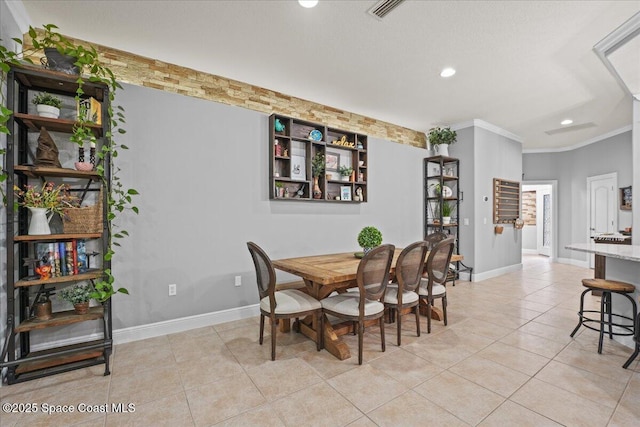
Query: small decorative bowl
(361, 162)
(84, 166)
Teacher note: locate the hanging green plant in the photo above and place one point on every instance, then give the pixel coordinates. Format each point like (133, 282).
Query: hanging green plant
(119, 198)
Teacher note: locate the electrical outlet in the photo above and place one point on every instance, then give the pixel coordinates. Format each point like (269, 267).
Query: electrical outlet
(173, 289)
(238, 281)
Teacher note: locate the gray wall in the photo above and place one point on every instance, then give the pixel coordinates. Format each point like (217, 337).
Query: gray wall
(571, 169)
(202, 171)
(485, 155)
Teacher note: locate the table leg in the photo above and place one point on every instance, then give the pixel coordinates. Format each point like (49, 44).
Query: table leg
(436, 312)
(332, 342)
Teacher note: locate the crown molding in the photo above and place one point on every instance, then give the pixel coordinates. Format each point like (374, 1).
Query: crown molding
(487, 126)
(19, 14)
(581, 144)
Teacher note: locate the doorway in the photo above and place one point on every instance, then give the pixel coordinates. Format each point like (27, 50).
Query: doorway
(539, 215)
(601, 200)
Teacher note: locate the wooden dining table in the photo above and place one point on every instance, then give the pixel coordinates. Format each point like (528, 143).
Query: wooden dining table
(322, 275)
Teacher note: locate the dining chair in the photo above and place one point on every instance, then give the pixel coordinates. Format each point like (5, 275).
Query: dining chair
(280, 304)
(433, 238)
(403, 293)
(366, 304)
(434, 286)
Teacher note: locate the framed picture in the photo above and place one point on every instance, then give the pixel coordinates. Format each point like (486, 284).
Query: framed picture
(333, 161)
(345, 192)
(298, 168)
(625, 198)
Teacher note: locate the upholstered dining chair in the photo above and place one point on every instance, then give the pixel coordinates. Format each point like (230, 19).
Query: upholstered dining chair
(434, 286)
(366, 304)
(404, 294)
(282, 304)
(433, 238)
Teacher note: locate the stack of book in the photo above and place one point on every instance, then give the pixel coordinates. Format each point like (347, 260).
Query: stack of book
(65, 258)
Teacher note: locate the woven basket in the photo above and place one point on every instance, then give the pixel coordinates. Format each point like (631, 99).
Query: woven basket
(84, 220)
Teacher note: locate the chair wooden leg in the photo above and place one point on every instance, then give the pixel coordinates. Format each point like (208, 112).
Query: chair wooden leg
(321, 329)
(417, 311)
(428, 316)
(382, 333)
(360, 341)
(398, 321)
(273, 338)
(261, 327)
(444, 309)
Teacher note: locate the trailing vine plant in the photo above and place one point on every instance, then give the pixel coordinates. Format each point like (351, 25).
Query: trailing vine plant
(119, 198)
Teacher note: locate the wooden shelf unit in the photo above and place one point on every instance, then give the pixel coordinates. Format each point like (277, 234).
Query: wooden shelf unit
(506, 201)
(292, 150)
(22, 83)
(440, 171)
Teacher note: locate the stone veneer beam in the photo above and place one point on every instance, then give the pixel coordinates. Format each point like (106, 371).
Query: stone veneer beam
(138, 70)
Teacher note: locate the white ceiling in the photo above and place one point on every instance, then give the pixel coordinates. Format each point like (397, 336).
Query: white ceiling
(523, 66)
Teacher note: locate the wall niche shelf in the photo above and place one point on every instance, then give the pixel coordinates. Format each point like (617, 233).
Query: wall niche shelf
(294, 143)
(506, 201)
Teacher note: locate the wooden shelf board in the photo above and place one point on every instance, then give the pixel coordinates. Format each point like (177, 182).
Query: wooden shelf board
(55, 237)
(91, 274)
(34, 123)
(36, 76)
(38, 171)
(59, 360)
(61, 318)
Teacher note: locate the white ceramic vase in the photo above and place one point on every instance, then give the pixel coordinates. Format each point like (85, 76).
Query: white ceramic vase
(442, 150)
(39, 223)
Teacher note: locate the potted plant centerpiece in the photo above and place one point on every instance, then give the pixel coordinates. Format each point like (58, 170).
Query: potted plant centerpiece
(79, 295)
(369, 238)
(441, 138)
(346, 172)
(317, 168)
(47, 105)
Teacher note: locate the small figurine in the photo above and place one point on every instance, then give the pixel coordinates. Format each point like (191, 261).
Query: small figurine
(44, 271)
(286, 153)
(279, 127)
(358, 197)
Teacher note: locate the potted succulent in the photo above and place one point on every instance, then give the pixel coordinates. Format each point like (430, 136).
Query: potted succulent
(317, 168)
(79, 295)
(441, 138)
(369, 238)
(346, 172)
(446, 213)
(47, 105)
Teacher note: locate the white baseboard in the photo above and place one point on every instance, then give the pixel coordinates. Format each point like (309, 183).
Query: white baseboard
(577, 263)
(135, 333)
(530, 251)
(477, 277)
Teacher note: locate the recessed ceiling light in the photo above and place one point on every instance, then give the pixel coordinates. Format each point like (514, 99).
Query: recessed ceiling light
(447, 72)
(308, 3)
(566, 122)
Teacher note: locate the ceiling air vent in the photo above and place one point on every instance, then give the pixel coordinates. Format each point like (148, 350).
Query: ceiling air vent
(570, 128)
(383, 7)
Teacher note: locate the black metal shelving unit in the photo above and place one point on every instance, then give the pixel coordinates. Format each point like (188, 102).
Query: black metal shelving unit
(18, 355)
(441, 185)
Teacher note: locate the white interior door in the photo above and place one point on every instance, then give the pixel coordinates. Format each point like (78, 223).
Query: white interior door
(602, 206)
(544, 224)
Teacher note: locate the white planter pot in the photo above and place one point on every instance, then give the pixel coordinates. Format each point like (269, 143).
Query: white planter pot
(442, 150)
(48, 111)
(346, 178)
(446, 220)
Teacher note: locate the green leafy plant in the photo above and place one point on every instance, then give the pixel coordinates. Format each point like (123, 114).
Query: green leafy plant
(317, 165)
(76, 294)
(345, 170)
(119, 198)
(279, 185)
(439, 136)
(54, 199)
(44, 98)
(446, 209)
(369, 237)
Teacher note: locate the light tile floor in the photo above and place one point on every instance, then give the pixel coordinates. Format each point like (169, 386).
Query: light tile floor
(505, 359)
